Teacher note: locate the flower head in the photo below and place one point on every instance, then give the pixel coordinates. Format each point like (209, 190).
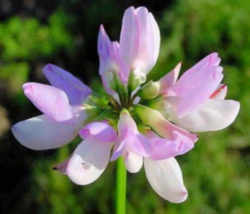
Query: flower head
(146, 122)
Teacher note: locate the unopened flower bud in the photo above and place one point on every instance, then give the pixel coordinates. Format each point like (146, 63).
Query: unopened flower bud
(150, 90)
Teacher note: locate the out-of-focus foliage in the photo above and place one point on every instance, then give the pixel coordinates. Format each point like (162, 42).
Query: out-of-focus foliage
(216, 172)
(25, 40)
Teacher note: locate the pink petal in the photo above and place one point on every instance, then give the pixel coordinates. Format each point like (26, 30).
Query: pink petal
(98, 131)
(129, 37)
(139, 39)
(169, 80)
(126, 123)
(42, 133)
(166, 179)
(110, 61)
(137, 143)
(129, 135)
(197, 84)
(163, 148)
(88, 162)
(76, 90)
(49, 100)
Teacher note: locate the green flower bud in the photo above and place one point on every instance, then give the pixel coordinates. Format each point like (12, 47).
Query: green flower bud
(150, 90)
(154, 119)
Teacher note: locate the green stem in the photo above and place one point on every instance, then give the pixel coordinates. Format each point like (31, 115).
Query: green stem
(121, 187)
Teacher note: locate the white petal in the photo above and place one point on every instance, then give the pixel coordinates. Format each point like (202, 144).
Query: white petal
(42, 133)
(133, 162)
(166, 179)
(88, 162)
(214, 115)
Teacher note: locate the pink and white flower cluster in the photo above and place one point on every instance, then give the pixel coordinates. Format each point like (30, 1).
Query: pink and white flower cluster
(152, 121)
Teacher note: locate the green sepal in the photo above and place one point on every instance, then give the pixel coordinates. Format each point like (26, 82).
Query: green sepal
(95, 113)
(121, 89)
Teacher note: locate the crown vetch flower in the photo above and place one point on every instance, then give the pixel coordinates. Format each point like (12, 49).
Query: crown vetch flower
(146, 122)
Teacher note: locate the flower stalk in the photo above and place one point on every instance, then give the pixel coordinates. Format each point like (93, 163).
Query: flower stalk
(121, 179)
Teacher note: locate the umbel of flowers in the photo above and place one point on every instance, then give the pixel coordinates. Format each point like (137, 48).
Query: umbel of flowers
(146, 122)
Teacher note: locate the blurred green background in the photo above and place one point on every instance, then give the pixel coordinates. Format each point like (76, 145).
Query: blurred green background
(33, 33)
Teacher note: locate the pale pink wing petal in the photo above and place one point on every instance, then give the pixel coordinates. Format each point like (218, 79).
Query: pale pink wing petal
(42, 133)
(163, 148)
(76, 90)
(50, 100)
(166, 179)
(220, 93)
(215, 114)
(133, 162)
(197, 84)
(98, 131)
(169, 80)
(88, 162)
(130, 136)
